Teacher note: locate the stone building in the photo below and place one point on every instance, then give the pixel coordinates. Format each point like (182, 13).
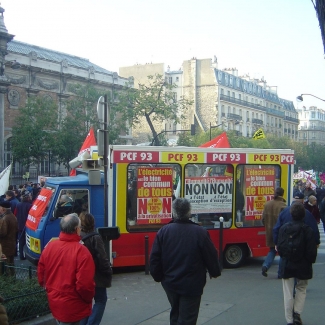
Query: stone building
(30, 70)
(312, 125)
(223, 98)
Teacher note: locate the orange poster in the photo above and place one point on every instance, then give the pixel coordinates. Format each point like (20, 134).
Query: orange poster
(154, 195)
(260, 186)
(36, 211)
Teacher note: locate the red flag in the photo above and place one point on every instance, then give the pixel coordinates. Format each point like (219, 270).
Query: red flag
(221, 141)
(89, 141)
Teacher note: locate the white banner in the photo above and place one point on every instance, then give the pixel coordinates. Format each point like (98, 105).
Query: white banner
(4, 180)
(209, 194)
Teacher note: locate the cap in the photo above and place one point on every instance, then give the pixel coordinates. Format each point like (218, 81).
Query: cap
(299, 196)
(5, 204)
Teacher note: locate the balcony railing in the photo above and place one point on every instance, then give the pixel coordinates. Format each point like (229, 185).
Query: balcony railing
(257, 121)
(231, 116)
(291, 119)
(252, 105)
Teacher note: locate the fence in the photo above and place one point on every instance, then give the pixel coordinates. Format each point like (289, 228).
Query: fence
(24, 299)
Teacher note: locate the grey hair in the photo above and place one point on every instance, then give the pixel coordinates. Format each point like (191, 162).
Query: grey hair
(181, 209)
(69, 223)
(65, 198)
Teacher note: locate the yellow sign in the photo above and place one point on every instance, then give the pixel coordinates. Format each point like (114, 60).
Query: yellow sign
(264, 158)
(259, 134)
(184, 157)
(154, 205)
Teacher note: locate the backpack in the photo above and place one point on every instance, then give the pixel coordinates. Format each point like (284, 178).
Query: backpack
(291, 241)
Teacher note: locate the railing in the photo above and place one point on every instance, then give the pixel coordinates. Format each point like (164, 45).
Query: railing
(24, 299)
(257, 121)
(252, 105)
(291, 119)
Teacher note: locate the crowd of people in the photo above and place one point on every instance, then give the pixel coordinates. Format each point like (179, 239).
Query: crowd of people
(75, 270)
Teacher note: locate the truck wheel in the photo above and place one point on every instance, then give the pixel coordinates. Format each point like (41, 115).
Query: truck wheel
(234, 255)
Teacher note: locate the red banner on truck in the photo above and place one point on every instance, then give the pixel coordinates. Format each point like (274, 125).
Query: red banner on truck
(37, 210)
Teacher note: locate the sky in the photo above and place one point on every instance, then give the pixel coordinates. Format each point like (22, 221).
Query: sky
(279, 40)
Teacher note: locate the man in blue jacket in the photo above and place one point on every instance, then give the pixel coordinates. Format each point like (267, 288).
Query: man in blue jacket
(285, 216)
(181, 255)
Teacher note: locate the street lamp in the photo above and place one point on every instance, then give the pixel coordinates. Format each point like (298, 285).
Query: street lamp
(214, 126)
(300, 98)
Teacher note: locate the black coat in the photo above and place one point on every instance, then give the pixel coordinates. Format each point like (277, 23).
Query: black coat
(301, 269)
(103, 270)
(181, 255)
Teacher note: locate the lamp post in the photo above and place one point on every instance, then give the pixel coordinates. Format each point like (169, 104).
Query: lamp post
(300, 98)
(192, 130)
(214, 126)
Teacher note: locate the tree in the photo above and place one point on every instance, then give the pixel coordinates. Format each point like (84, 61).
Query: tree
(154, 101)
(33, 131)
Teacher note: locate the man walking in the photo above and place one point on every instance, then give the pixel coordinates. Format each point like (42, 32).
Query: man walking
(181, 255)
(298, 250)
(270, 215)
(8, 234)
(66, 269)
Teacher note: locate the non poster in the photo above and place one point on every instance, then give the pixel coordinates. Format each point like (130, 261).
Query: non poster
(154, 195)
(209, 194)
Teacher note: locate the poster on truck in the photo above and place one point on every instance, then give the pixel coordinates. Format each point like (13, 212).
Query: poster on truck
(260, 184)
(154, 195)
(209, 194)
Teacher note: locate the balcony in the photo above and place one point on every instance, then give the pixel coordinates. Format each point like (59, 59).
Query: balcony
(236, 117)
(257, 121)
(291, 119)
(252, 105)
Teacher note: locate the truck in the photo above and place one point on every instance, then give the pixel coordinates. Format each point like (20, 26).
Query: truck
(227, 188)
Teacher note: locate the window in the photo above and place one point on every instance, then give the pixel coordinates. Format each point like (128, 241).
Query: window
(239, 96)
(72, 201)
(228, 93)
(233, 94)
(141, 213)
(252, 182)
(177, 79)
(221, 92)
(170, 80)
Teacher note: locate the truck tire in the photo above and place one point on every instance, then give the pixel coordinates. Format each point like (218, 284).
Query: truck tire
(234, 255)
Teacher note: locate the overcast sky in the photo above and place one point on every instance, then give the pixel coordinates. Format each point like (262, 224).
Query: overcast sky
(279, 39)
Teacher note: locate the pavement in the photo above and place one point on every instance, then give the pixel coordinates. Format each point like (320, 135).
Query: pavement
(239, 297)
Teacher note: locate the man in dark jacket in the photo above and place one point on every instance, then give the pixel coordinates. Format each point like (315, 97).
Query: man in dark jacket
(300, 268)
(181, 255)
(285, 216)
(22, 210)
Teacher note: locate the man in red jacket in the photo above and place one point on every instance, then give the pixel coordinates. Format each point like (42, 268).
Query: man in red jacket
(66, 269)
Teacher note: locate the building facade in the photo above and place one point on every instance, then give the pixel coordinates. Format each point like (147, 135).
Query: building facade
(312, 125)
(223, 98)
(45, 73)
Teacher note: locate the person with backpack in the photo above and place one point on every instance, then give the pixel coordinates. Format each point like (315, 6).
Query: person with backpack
(103, 272)
(298, 251)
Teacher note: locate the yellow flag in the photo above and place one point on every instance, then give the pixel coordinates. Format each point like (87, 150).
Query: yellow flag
(259, 134)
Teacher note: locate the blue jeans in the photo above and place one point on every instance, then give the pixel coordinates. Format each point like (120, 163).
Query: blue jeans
(270, 258)
(98, 308)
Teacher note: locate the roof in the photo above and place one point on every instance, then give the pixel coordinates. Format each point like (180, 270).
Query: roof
(53, 56)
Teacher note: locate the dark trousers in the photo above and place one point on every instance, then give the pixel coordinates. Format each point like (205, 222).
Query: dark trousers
(184, 309)
(21, 243)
